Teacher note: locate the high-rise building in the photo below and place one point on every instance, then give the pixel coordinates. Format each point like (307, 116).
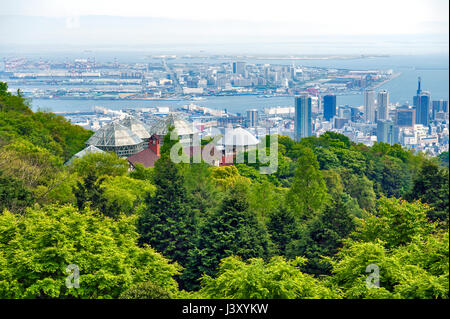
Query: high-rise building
(444, 107)
(369, 106)
(345, 112)
(439, 106)
(382, 105)
(302, 120)
(385, 131)
(339, 122)
(422, 104)
(405, 117)
(239, 68)
(419, 90)
(329, 107)
(423, 108)
(252, 118)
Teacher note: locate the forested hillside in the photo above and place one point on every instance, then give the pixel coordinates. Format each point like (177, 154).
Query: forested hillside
(332, 209)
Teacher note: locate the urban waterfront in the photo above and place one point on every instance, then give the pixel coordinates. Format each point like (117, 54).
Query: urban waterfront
(432, 69)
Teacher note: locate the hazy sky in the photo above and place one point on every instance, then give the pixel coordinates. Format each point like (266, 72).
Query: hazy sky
(227, 20)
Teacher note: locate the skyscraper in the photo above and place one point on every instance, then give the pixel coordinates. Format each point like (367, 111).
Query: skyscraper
(239, 68)
(329, 107)
(369, 106)
(422, 102)
(383, 102)
(423, 108)
(252, 118)
(439, 106)
(405, 117)
(419, 90)
(302, 120)
(385, 131)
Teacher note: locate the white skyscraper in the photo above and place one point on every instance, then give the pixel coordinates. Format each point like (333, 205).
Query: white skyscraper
(383, 102)
(369, 105)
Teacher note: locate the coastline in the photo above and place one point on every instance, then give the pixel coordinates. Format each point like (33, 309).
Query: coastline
(395, 75)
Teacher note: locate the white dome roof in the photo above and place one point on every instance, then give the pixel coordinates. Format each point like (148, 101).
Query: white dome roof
(239, 137)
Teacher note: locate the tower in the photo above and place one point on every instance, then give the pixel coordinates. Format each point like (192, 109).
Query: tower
(405, 117)
(302, 120)
(385, 131)
(252, 118)
(369, 106)
(383, 102)
(419, 90)
(423, 108)
(329, 107)
(239, 68)
(154, 144)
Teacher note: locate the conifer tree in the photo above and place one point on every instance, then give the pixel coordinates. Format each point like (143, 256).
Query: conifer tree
(166, 222)
(231, 230)
(283, 228)
(323, 236)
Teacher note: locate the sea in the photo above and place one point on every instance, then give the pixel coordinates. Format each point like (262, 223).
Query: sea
(433, 70)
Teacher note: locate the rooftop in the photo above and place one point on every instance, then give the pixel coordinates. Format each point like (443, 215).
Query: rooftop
(182, 127)
(238, 137)
(136, 126)
(114, 134)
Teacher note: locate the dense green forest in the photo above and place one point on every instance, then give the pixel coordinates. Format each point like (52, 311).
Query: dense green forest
(310, 230)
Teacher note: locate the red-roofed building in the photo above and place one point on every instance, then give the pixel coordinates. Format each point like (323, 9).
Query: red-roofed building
(148, 156)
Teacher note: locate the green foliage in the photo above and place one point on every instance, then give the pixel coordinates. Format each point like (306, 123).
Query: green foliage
(31, 164)
(263, 199)
(169, 140)
(146, 290)
(308, 192)
(360, 188)
(225, 177)
(250, 172)
(418, 270)
(395, 222)
(13, 195)
(255, 279)
(443, 159)
(206, 140)
(283, 228)
(431, 187)
(350, 159)
(141, 172)
(201, 189)
(100, 164)
(58, 190)
(45, 130)
(327, 158)
(230, 230)
(36, 248)
(334, 183)
(126, 194)
(323, 236)
(392, 176)
(89, 193)
(166, 221)
(12, 103)
(224, 224)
